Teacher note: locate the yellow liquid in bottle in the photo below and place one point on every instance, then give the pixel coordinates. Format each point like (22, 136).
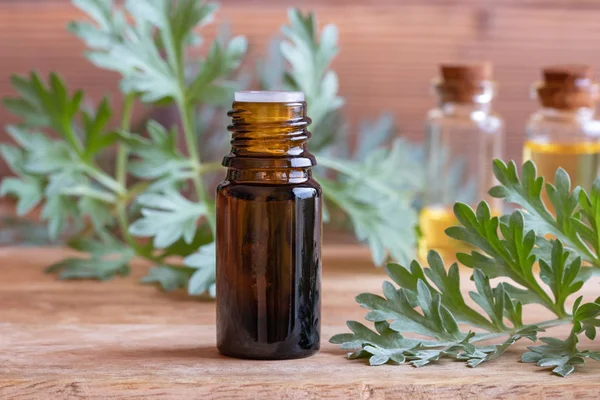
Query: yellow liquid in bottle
(433, 221)
(580, 160)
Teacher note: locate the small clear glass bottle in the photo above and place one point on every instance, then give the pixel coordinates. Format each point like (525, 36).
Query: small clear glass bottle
(463, 137)
(268, 232)
(564, 132)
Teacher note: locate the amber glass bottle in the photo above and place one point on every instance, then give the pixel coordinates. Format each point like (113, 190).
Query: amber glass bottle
(268, 232)
(564, 132)
(463, 136)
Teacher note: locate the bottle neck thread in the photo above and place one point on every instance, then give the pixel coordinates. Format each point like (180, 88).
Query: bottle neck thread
(269, 142)
(277, 176)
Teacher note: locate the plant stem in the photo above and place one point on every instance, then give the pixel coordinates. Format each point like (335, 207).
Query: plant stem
(189, 130)
(175, 55)
(104, 179)
(71, 137)
(543, 325)
(554, 322)
(210, 167)
(136, 189)
(122, 152)
(124, 226)
(91, 193)
(121, 173)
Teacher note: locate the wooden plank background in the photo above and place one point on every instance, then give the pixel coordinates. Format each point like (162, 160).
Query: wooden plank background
(389, 49)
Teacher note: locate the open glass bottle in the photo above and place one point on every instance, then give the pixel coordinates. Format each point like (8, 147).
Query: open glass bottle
(268, 232)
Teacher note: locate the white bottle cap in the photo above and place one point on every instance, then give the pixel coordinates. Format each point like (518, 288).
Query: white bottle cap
(268, 96)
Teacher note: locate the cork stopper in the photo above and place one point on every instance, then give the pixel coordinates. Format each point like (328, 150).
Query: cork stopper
(463, 83)
(466, 72)
(567, 87)
(568, 75)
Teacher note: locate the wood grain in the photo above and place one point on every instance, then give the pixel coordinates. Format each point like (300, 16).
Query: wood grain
(389, 49)
(121, 340)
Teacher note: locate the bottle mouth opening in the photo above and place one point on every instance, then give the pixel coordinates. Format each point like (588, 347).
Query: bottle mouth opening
(268, 96)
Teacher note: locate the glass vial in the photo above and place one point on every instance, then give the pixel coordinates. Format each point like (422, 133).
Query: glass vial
(269, 232)
(463, 136)
(564, 132)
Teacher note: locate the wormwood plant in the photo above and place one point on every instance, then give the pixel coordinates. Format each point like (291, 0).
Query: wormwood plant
(429, 301)
(158, 192)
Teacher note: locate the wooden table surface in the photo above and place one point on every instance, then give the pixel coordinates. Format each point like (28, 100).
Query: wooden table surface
(119, 339)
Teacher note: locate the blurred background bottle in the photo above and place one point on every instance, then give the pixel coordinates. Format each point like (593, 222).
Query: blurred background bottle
(564, 132)
(463, 136)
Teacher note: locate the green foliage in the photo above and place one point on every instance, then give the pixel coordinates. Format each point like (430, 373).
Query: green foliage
(370, 191)
(446, 284)
(197, 274)
(95, 127)
(309, 56)
(158, 191)
(434, 321)
(137, 53)
(586, 317)
(145, 41)
(46, 106)
(26, 188)
(564, 355)
(158, 159)
(578, 231)
(222, 59)
(507, 249)
(203, 279)
(108, 258)
(368, 185)
(168, 278)
(167, 217)
(429, 301)
(60, 171)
